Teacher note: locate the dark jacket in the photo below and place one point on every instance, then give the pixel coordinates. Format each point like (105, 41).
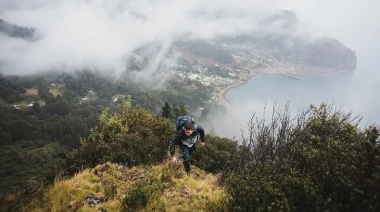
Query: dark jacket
(189, 141)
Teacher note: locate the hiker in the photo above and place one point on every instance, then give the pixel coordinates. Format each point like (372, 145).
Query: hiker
(186, 139)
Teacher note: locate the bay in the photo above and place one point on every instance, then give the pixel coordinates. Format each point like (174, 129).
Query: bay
(347, 91)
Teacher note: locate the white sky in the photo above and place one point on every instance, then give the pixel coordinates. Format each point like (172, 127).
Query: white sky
(100, 34)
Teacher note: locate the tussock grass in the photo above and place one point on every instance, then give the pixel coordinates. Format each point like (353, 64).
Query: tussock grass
(192, 193)
(144, 188)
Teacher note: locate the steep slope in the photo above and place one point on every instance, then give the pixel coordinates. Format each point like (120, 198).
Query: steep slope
(113, 187)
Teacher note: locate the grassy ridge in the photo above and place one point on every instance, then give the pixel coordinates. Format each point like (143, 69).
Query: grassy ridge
(162, 187)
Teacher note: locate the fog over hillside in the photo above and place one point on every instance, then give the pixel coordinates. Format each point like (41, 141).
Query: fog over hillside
(102, 35)
(16, 31)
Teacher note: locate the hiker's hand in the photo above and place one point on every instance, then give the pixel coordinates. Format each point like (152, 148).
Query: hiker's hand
(174, 159)
(202, 144)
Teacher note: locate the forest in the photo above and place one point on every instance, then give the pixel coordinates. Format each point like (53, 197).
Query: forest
(41, 117)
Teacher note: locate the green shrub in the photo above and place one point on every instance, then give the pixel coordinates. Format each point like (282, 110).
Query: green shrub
(322, 162)
(217, 154)
(137, 197)
(132, 137)
(144, 190)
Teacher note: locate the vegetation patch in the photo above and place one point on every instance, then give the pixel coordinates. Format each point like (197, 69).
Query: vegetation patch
(55, 92)
(27, 164)
(32, 91)
(113, 187)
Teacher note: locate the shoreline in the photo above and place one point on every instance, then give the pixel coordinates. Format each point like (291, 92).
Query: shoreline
(223, 92)
(295, 76)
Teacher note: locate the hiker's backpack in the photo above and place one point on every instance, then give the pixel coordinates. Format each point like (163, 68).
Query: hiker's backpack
(181, 120)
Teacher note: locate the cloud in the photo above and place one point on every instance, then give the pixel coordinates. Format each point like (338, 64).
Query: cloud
(99, 34)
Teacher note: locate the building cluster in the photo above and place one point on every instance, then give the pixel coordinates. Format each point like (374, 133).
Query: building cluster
(248, 62)
(91, 95)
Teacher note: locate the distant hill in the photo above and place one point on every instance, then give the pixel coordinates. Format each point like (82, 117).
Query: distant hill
(282, 44)
(13, 30)
(323, 52)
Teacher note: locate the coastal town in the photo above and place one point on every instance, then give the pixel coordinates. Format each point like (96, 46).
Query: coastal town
(249, 61)
(220, 66)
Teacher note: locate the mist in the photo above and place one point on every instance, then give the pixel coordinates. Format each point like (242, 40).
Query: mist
(356, 25)
(101, 35)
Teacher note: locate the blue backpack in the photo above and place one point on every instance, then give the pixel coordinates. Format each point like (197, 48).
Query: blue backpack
(181, 120)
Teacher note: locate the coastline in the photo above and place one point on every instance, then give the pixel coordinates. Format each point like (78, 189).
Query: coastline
(295, 76)
(223, 92)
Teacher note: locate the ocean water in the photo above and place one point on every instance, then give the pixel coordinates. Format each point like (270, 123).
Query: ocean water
(298, 92)
(354, 91)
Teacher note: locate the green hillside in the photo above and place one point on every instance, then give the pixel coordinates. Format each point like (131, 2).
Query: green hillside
(319, 161)
(43, 116)
(57, 156)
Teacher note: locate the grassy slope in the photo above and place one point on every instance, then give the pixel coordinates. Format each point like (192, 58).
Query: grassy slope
(165, 185)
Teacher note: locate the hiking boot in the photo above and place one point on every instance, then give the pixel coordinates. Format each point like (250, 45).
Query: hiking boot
(188, 173)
